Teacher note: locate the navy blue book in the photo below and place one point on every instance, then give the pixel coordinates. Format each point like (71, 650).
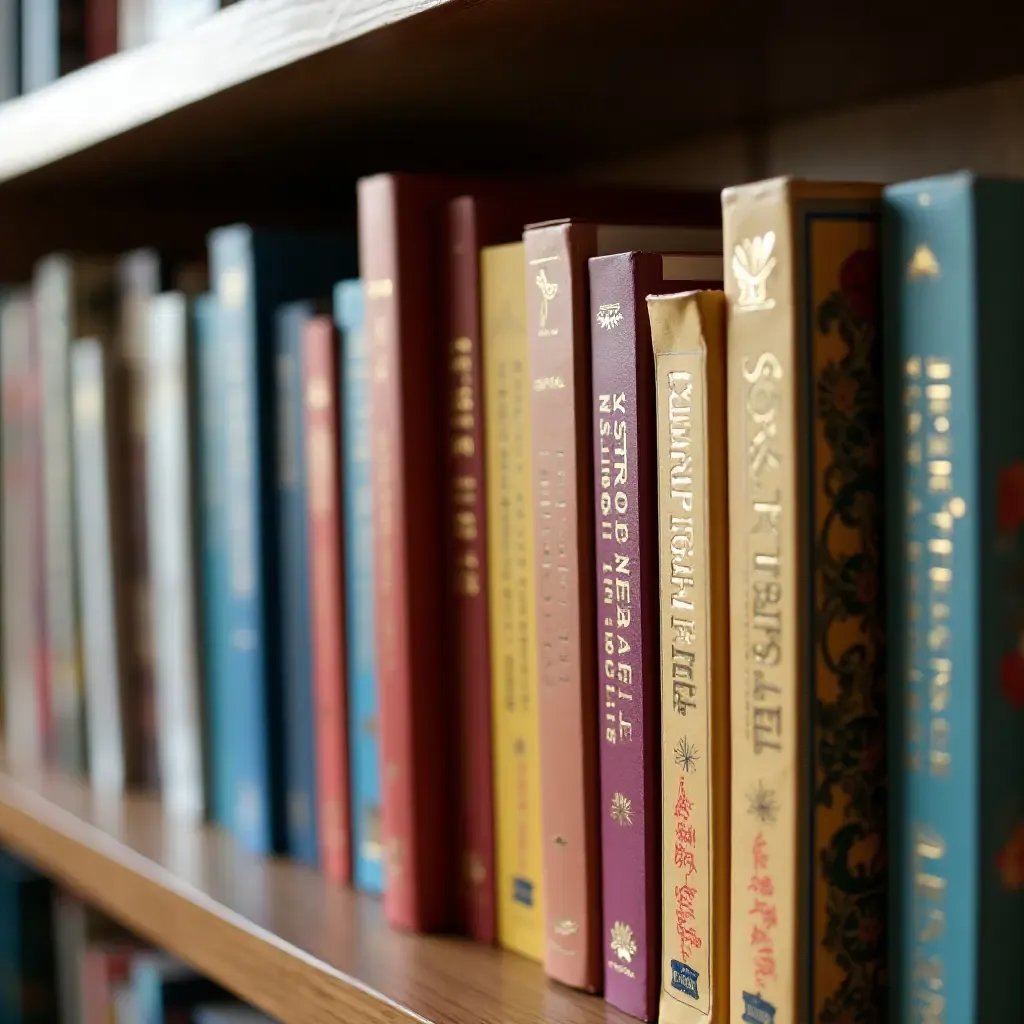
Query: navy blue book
(953, 271)
(293, 595)
(255, 271)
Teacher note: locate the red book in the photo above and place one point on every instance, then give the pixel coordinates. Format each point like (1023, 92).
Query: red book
(104, 967)
(327, 590)
(101, 17)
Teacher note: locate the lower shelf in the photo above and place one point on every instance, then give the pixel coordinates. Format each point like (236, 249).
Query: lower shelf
(274, 933)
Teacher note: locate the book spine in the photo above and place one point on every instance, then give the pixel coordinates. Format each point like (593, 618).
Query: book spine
(807, 644)
(10, 50)
(170, 17)
(688, 337)
(955, 492)
(170, 558)
(294, 585)
(359, 601)
(234, 275)
(468, 575)
(397, 252)
(220, 723)
(557, 312)
(61, 660)
(326, 579)
(514, 684)
(92, 411)
(627, 629)
(100, 29)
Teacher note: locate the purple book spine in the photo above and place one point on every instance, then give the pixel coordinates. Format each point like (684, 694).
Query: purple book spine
(627, 625)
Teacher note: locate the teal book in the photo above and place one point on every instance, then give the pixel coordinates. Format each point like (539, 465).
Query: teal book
(254, 271)
(220, 733)
(357, 493)
(953, 268)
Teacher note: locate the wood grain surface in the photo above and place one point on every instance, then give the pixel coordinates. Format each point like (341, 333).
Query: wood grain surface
(274, 933)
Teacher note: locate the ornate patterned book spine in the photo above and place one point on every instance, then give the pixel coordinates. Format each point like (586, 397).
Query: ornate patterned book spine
(514, 699)
(952, 266)
(360, 648)
(467, 574)
(327, 605)
(808, 868)
(688, 332)
(556, 283)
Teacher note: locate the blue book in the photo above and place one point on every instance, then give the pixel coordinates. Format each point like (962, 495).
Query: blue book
(221, 737)
(357, 493)
(164, 989)
(955, 324)
(293, 593)
(254, 272)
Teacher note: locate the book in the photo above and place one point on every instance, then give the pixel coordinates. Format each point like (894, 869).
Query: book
(133, 24)
(10, 49)
(556, 255)
(297, 567)
(28, 973)
(956, 457)
(169, 17)
(627, 624)
(320, 387)
(221, 739)
(165, 991)
(105, 969)
(401, 220)
(513, 668)
(53, 40)
(99, 441)
(25, 693)
(688, 338)
(75, 297)
(358, 599)
(255, 271)
(807, 657)
(171, 556)
(101, 17)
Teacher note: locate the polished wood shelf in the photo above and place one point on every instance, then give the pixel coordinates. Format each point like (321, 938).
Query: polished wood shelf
(274, 933)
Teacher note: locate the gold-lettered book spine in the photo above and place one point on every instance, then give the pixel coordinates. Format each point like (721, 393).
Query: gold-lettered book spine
(505, 348)
(765, 585)
(688, 335)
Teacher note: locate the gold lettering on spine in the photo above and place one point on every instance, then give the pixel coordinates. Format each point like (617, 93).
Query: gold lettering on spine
(616, 591)
(464, 496)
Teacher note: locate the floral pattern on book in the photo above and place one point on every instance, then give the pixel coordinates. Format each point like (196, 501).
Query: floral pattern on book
(849, 615)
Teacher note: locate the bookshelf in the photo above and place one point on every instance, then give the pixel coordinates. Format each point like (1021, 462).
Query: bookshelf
(275, 106)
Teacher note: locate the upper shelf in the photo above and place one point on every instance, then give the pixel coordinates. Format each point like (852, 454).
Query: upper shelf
(274, 933)
(283, 92)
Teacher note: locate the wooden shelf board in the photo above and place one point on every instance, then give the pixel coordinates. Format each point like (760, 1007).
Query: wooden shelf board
(274, 933)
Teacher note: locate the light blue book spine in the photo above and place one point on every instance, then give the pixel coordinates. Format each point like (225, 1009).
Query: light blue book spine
(233, 276)
(221, 738)
(293, 592)
(955, 324)
(364, 745)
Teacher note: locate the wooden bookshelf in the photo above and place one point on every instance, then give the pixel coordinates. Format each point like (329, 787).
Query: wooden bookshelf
(272, 932)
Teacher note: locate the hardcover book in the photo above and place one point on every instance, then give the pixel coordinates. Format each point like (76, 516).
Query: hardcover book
(74, 298)
(100, 29)
(360, 644)
(10, 49)
(53, 40)
(24, 693)
(171, 556)
(556, 257)
(626, 544)
(688, 337)
(255, 271)
(320, 385)
(952, 274)
(293, 595)
(807, 658)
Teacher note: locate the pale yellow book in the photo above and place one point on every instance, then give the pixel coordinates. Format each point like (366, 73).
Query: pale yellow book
(809, 869)
(509, 484)
(688, 334)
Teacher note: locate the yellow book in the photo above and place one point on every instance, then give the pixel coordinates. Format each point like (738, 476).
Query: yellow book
(688, 334)
(511, 592)
(804, 394)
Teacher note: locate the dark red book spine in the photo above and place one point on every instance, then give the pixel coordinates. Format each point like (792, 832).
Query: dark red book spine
(327, 595)
(471, 656)
(100, 29)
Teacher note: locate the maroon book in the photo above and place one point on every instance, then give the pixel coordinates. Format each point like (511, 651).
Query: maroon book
(626, 558)
(101, 18)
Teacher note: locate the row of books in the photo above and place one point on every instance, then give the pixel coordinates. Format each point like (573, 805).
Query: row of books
(42, 40)
(542, 579)
(61, 961)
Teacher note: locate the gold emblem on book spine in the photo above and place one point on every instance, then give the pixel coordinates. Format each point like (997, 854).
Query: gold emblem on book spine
(566, 927)
(548, 290)
(622, 809)
(923, 263)
(752, 264)
(623, 943)
(609, 315)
